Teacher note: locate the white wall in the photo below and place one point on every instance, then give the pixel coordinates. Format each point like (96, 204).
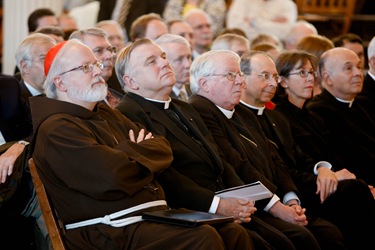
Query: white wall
(15, 14)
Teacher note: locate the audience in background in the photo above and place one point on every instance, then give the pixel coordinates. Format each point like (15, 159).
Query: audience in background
(258, 16)
(53, 31)
(182, 28)
(236, 31)
(125, 12)
(114, 32)
(353, 42)
(299, 30)
(68, 24)
(266, 38)
(178, 52)
(272, 50)
(201, 23)
(40, 18)
(148, 25)
(232, 42)
(216, 9)
(369, 81)
(316, 45)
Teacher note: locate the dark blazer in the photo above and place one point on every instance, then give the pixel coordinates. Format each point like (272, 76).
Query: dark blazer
(353, 133)
(197, 167)
(245, 146)
(368, 87)
(277, 129)
(15, 117)
(25, 93)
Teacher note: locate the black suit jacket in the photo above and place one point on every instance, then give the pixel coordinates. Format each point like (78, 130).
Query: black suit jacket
(25, 93)
(368, 87)
(194, 174)
(15, 116)
(247, 149)
(353, 133)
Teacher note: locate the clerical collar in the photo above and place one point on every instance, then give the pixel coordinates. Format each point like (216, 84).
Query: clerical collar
(227, 113)
(260, 109)
(344, 101)
(166, 103)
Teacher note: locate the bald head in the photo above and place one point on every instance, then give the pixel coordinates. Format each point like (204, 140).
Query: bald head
(341, 73)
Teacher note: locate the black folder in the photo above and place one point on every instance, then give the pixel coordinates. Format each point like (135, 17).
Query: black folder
(185, 217)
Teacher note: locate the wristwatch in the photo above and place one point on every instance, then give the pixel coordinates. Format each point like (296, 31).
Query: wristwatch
(22, 142)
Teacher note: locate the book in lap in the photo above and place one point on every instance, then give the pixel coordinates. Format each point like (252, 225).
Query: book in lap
(185, 217)
(252, 192)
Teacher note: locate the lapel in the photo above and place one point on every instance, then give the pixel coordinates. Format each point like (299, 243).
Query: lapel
(159, 116)
(25, 93)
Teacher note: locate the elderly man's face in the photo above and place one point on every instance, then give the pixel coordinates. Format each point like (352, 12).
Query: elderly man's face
(345, 73)
(100, 46)
(151, 71)
(203, 34)
(183, 29)
(83, 87)
(224, 92)
(259, 88)
(35, 75)
(115, 35)
(179, 56)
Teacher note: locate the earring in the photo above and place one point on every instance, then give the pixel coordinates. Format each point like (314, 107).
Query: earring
(286, 86)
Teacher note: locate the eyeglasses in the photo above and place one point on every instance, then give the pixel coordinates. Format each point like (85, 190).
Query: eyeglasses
(87, 67)
(231, 76)
(267, 76)
(100, 51)
(304, 73)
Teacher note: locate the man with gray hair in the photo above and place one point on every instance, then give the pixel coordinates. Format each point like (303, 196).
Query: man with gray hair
(97, 40)
(178, 52)
(115, 33)
(232, 42)
(369, 81)
(203, 33)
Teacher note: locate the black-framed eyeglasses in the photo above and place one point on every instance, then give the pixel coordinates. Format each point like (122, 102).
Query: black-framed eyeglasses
(87, 67)
(304, 73)
(267, 76)
(231, 76)
(100, 51)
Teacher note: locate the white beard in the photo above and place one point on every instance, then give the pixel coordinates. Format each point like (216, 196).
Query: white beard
(95, 94)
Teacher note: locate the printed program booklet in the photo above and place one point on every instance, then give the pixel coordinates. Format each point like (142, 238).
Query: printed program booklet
(253, 192)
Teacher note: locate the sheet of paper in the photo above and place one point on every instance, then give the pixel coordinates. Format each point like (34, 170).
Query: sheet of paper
(253, 192)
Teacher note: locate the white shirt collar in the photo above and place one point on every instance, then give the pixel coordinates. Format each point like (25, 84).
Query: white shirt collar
(166, 103)
(227, 113)
(260, 109)
(33, 91)
(344, 101)
(372, 76)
